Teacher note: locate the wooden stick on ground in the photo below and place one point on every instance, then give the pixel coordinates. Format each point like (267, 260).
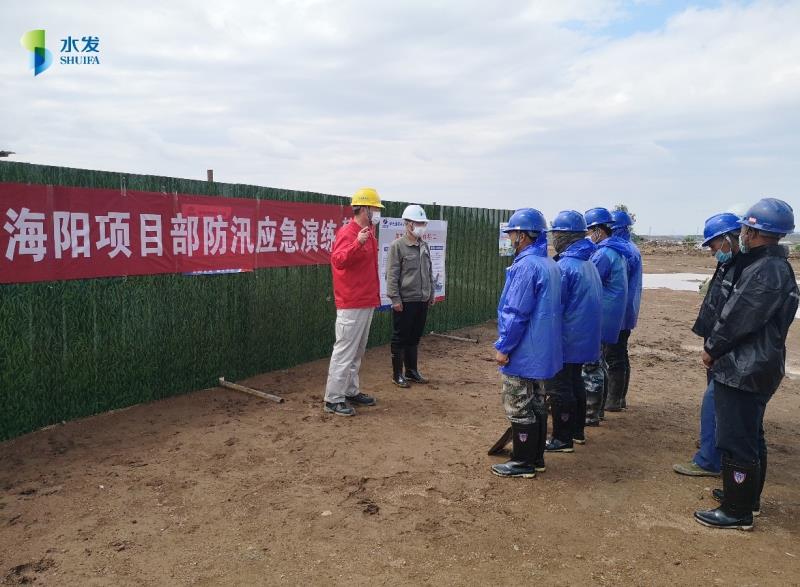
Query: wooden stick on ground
(255, 392)
(451, 337)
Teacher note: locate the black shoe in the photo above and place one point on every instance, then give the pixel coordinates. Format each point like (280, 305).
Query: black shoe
(526, 441)
(515, 469)
(592, 422)
(362, 399)
(581, 440)
(740, 486)
(556, 445)
(719, 495)
(397, 368)
(718, 518)
(412, 373)
(340, 409)
(400, 381)
(415, 376)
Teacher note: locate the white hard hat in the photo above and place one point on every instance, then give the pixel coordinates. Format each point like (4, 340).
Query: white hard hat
(415, 212)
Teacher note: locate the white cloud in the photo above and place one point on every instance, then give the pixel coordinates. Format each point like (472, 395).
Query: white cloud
(470, 103)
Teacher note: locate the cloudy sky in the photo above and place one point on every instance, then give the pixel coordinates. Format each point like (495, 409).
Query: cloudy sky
(679, 109)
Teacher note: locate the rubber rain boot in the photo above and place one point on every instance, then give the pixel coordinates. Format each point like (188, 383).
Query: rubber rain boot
(541, 428)
(397, 367)
(412, 373)
(578, 423)
(616, 387)
(719, 494)
(624, 401)
(526, 440)
(562, 429)
(740, 486)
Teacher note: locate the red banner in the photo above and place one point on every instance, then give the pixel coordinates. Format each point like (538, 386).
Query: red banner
(55, 232)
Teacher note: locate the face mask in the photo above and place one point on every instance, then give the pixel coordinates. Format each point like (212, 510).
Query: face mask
(742, 246)
(375, 217)
(723, 257)
(419, 231)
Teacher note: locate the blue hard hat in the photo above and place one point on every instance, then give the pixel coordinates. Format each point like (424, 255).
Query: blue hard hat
(527, 219)
(770, 215)
(597, 216)
(720, 224)
(568, 221)
(621, 219)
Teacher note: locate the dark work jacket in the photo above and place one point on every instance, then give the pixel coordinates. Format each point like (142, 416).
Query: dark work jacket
(715, 298)
(748, 340)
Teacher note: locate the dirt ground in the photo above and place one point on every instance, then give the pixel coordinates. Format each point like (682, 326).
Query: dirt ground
(217, 488)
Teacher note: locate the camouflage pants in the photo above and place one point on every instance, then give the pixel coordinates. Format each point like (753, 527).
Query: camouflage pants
(594, 380)
(523, 400)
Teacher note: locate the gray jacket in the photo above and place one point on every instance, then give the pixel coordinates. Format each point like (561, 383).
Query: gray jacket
(409, 273)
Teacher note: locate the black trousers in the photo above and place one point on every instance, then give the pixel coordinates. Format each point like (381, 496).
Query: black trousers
(567, 396)
(408, 325)
(740, 423)
(616, 355)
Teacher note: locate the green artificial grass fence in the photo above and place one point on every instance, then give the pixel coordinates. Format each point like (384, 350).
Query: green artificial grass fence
(73, 348)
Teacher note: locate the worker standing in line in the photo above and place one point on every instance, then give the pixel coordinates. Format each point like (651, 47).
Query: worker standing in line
(721, 235)
(528, 347)
(618, 353)
(581, 304)
(600, 378)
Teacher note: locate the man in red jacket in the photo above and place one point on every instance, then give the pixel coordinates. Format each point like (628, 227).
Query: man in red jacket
(356, 289)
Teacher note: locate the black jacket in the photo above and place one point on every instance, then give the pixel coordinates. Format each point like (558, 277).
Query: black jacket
(748, 340)
(714, 300)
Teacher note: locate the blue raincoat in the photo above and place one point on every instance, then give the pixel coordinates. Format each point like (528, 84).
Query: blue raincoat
(529, 316)
(609, 258)
(634, 258)
(581, 300)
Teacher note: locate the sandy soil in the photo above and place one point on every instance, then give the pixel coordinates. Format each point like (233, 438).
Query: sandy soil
(693, 262)
(219, 488)
(690, 261)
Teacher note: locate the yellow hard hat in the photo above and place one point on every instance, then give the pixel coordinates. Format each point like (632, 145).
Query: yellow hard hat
(366, 197)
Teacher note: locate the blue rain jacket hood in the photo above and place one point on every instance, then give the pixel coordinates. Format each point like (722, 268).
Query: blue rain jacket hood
(634, 259)
(540, 244)
(582, 303)
(609, 259)
(529, 316)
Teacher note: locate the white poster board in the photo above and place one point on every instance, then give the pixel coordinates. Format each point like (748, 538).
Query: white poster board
(506, 250)
(436, 237)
